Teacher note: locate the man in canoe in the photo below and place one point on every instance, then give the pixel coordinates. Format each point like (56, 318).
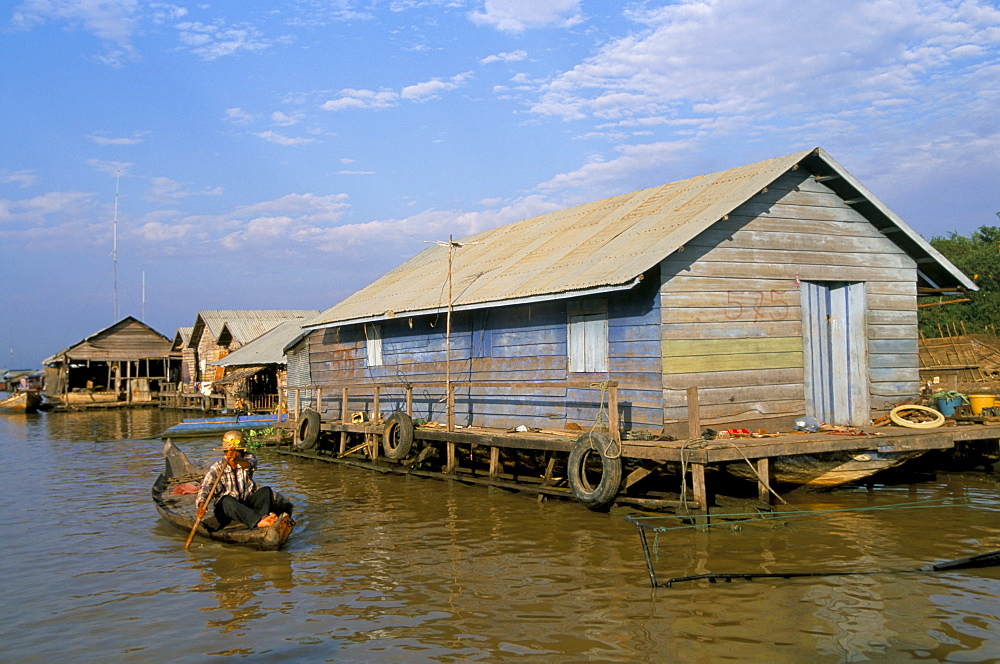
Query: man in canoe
(238, 496)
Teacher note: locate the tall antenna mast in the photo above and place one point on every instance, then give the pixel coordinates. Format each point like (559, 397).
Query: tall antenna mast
(114, 252)
(449, 405)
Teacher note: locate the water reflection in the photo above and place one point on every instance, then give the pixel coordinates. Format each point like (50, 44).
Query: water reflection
(388, 568)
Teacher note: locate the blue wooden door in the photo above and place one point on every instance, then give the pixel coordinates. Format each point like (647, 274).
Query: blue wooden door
(835, 352)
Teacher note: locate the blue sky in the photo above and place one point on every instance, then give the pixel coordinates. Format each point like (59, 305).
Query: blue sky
(283, 155)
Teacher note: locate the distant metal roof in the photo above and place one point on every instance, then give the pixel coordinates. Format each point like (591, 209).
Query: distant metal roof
(243, 325)
(181, 338)
(266, 349)
(127, 340)
(604, 245)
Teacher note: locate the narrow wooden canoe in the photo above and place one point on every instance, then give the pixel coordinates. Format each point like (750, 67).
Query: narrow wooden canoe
(21, 402)
(206, 426)
(825, 470)
(179, 509)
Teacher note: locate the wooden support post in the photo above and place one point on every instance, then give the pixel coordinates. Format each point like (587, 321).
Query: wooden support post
(451, 464)
(409, 400)
(494, 462)
(694, 417)
(298, 403)
(450, 407)
(319, 402)
(549, 467)
(376, 407)
(344, 403)
(700, 492)
(764, 480)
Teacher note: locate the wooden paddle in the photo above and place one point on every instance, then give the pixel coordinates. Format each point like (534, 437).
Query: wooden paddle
(197, 521)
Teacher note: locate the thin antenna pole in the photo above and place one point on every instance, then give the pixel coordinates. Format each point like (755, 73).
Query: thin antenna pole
(449, 406)
(114, 252)
(447, 340)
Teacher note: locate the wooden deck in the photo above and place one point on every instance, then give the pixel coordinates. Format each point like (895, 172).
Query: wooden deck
(359, 445)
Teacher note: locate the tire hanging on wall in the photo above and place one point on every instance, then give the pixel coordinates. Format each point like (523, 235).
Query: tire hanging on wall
(599, 496)
(307, 429)
(397, 435)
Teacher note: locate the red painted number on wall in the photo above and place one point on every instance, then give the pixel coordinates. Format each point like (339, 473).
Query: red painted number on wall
(757, 305)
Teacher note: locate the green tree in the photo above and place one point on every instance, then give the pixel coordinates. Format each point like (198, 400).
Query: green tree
(978, 256)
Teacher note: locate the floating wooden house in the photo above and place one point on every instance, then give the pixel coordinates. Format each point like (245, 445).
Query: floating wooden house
(127, 362)
(216, 333)
(256, 374)
(189, 360)
(764, 293)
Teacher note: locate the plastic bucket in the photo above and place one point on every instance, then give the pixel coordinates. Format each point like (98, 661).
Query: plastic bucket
(979, 401)
(947, 406)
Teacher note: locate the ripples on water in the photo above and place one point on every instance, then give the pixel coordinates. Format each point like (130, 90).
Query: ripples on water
(401, 569)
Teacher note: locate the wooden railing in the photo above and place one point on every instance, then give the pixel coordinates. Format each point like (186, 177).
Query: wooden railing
(356, 391)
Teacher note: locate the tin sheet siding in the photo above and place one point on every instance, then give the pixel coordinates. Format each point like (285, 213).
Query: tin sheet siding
(518, 344)
(731, 316)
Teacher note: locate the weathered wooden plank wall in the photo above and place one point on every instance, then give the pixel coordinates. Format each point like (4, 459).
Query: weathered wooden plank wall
(520, 344)
(731, 314)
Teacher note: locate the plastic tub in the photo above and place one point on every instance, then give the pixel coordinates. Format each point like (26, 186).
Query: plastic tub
(947, 406)
(979, 401)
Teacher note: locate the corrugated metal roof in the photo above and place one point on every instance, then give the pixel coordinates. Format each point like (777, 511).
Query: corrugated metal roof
(266, 349)
(181, 338)
(604, 244)
(244, 325)
(128, 339)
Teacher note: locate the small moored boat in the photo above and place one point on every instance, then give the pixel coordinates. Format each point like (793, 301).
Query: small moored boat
(206, 426)
(178, 507)
(23, 401)
(825, 470)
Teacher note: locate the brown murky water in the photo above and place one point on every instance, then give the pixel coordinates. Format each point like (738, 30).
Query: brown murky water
(395, 569)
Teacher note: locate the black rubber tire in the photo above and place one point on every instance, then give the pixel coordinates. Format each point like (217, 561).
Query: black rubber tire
(307, 429)
(397, 435)
(599, 496)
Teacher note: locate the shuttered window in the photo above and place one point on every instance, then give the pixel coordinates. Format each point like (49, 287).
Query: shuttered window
(373, 345)
(588, 343)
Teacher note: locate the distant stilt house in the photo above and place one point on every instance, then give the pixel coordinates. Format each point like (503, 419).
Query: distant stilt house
(754, 296)
(13, 380)
(255, 374)
(181, 346)
(216, 333)
(126, 362)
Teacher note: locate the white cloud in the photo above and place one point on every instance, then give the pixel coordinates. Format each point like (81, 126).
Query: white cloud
(512, 56)
(134, 139)
(430, 89)
(281, 139)
(239, 116)
(714, 56)
(22, 179)
(38, 210)
(165, 189)
(350, 98)
(598, 174)
(286, 120)
(114, 23)
(210, 41)
(520, 15)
